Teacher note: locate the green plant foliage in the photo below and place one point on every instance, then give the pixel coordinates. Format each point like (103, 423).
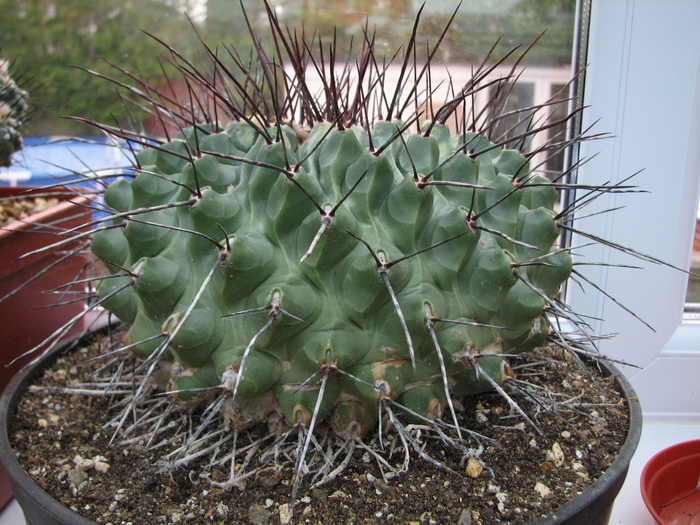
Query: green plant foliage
(48, 39)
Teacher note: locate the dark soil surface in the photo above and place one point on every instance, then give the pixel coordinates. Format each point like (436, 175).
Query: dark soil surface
(519, 476)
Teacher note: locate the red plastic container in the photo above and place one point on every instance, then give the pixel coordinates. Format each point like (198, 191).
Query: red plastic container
(27, 316)
(670, 482)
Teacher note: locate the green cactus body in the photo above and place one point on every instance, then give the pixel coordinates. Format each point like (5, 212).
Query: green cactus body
(300, 265)
(13, 109)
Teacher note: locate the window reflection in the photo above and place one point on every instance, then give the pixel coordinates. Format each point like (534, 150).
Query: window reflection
(692, 297)
(479, 28)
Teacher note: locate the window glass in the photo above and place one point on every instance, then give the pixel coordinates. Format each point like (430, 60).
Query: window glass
(557, 134)
(522, 95)
(692, 298)
(478, 29)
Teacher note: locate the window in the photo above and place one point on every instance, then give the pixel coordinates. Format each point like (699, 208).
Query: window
(555, 163)
(643, 87)
(692, 298)
(521, 96)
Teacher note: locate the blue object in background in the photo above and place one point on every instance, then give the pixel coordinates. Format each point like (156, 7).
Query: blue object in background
(50, 160)
(88, 162)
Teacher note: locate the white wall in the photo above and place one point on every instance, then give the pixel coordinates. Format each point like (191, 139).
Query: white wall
(643, 86)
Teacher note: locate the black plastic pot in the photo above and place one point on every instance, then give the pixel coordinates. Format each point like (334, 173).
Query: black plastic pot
(39, 508)
(592, 507)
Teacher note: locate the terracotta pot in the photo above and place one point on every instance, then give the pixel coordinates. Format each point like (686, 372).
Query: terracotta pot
(591, 507)
(670, 484)
(26, 314)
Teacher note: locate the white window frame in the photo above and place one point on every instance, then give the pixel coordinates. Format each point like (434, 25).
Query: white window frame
(642, 86)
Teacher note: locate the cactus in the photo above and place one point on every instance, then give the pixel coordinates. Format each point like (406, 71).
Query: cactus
(321, 264)
(343, 258)
(13, 107)
(267, 261)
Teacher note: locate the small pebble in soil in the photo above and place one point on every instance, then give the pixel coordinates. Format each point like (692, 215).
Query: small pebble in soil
(557, 455)
(543, 490)
(580, 470)
(78, 478)
(258, 514)
(83, 464)
(474, 468)
(285, 514)
(465, 517)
